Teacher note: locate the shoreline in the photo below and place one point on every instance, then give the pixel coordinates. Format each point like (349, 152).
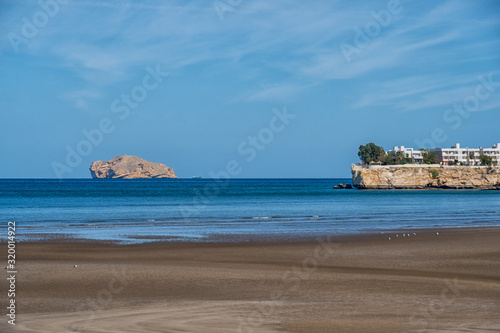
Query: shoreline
(354, 283)
(244, 238)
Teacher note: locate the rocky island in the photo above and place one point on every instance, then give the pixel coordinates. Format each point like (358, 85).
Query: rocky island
(425, 176)
(130, 167)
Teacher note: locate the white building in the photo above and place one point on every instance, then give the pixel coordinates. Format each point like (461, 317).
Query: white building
(454, 155)
(467, 156)
(415, 155)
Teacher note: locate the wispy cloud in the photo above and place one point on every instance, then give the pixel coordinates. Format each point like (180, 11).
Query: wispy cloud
(281, 92)
(423, 92)
(285, 47)
(81, 98)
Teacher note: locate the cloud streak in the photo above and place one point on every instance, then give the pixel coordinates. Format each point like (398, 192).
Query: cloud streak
(293, 45)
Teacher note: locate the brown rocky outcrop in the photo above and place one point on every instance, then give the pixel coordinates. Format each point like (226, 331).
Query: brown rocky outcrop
(422, 176)
(130, 167)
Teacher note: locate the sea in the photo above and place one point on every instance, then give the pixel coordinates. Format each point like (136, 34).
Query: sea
(216, 210)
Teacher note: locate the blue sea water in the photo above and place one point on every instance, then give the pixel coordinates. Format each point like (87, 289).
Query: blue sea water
(206, 209)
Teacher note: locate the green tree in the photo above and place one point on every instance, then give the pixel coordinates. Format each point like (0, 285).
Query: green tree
(371, 153)
(400, 157)
(429, 156)
(485, 160)
(388, 159)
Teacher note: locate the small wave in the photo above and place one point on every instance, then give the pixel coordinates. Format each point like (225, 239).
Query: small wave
(261, 217)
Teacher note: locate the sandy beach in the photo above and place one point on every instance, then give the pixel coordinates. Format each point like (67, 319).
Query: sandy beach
(366, 283)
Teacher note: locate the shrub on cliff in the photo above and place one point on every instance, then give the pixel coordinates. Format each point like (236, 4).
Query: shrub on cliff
(434, 173)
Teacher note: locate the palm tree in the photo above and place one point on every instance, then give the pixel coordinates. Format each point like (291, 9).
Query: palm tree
(472, 157)
(400, 157)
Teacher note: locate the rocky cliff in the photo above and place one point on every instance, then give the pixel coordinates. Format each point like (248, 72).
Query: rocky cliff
(420, 177)
(130, 167)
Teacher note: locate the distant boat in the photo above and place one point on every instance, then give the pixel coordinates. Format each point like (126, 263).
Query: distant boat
(196, 177)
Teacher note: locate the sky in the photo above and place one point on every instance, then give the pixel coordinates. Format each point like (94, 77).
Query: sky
(242, 88)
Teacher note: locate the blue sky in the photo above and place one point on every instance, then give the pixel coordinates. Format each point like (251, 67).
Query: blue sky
(198, 84)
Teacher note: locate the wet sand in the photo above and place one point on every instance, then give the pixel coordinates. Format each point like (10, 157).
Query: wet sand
(422, 283)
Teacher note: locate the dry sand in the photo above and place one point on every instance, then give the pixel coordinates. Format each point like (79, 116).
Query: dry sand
(422, 283)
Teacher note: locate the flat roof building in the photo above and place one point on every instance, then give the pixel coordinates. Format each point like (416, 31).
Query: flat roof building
(415, 155)
(453, 155)
(468, 156)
